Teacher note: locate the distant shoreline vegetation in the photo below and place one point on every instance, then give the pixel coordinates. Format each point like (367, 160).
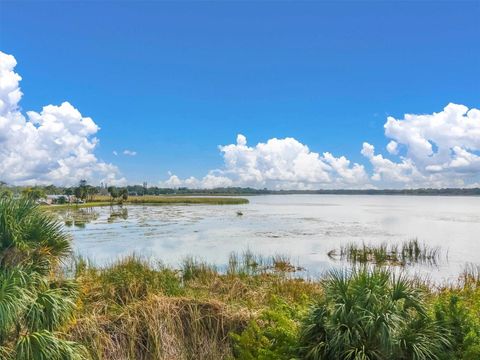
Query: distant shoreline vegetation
(87, 192)
(156, 200)
(252, 191)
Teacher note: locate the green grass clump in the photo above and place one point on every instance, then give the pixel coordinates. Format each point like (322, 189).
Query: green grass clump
(213, 200)
(408, 252)
(129, 279)
(248, 263)
(194, 269)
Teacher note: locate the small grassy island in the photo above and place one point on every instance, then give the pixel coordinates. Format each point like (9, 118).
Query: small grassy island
(156, 200)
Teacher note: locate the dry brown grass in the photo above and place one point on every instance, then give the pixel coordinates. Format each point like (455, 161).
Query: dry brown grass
(162, 328)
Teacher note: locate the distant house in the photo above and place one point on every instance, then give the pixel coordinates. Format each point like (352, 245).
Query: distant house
(55, 199)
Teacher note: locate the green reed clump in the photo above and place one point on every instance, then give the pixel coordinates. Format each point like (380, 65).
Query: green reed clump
(245, 264)
(408, 252)
(129, 279)
(193, 268)
(248, 264)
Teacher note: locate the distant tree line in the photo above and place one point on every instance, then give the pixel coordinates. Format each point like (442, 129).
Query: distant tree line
(86, 192)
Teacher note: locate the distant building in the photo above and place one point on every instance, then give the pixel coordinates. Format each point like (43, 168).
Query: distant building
(55, 199)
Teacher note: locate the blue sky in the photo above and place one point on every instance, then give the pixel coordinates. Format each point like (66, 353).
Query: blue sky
(172, 81)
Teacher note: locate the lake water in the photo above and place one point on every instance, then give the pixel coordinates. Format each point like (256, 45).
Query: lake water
(305, 227)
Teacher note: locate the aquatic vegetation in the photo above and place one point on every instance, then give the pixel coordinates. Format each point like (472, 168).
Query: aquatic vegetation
(116, 214)
(172, 199)
(408, 252)
(249, 263)
(77, 217)
(127, 280)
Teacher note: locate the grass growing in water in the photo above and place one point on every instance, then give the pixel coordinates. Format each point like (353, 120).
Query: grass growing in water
(408, 252)
(249, 263)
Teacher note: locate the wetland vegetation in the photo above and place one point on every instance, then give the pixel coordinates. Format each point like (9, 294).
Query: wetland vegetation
(408, 252)
(55, 306)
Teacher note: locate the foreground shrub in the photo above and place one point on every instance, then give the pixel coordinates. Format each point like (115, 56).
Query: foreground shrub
(273, 335)
(457, 309)
(33, 306)
(371, 315)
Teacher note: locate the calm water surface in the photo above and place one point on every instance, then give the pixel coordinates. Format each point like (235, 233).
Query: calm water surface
(306, 227)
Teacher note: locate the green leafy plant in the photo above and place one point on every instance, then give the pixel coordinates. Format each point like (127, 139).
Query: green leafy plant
(272, 336)
(33, 306)
(457, 309)
(371, 314)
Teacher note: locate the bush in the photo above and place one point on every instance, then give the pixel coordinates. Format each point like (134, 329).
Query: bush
(371, 315)
(33, 306)
(273, 336)
(460, 321)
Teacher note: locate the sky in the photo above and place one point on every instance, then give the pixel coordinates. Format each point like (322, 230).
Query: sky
(283, 95)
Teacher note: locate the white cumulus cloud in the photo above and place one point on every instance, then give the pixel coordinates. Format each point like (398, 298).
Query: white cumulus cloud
(435, 150)
(279, 164)
(55, 145)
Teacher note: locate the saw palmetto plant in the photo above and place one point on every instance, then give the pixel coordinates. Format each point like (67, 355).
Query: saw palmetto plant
(33, 305)
(371, 314)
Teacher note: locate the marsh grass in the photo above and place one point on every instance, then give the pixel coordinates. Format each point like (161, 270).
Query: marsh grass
(139, 309)
(195, 269)
(135, 308)
(470, 276)
(125, 281)
(407, 253)
(77, 217)
(175, 199)
(162, 327)
(151, 200)
(248, 263)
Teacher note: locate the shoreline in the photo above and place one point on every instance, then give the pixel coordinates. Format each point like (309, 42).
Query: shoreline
(161, 200)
